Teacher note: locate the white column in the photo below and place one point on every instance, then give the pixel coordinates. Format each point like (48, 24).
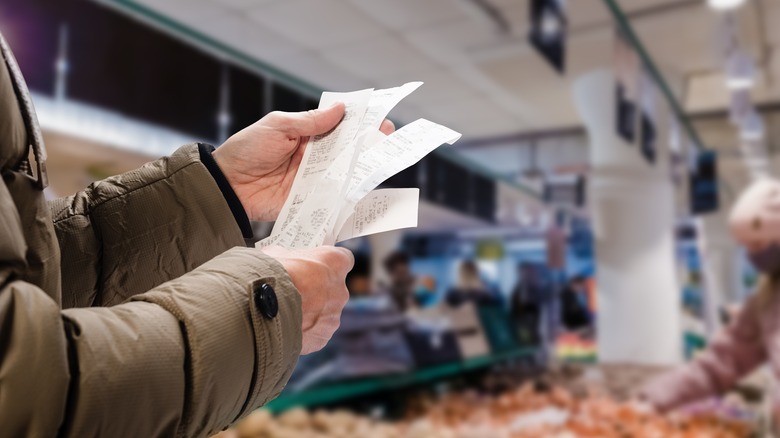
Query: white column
(720, 268)
(632, 206)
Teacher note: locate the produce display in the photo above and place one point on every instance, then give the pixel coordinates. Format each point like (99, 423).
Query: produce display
(575, 348)
(527, 412)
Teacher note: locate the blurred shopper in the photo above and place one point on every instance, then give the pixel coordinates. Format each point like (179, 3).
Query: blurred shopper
(359, 278)
(402, 282)
(470, 287)
(753, 335)
(131, 308)
(575, 314)
(526, 303)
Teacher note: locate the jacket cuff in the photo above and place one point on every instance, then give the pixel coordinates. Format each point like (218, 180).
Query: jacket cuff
(231, 198)
(237, 358)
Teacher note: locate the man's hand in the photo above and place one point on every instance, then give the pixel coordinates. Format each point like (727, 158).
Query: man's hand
(260, 161)
(319, 274)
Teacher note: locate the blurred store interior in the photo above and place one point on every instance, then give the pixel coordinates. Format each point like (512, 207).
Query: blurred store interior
(582, 215)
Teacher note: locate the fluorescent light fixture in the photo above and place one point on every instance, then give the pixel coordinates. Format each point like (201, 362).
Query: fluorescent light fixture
(752, 127)
(723, 5)
(740, 71)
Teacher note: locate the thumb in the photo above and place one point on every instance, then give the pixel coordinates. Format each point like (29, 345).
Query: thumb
(314, 122)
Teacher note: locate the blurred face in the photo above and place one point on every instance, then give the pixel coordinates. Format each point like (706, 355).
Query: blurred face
(400, 271)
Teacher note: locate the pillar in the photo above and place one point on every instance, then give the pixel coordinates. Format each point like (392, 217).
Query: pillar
(720, 268)
(632, 207)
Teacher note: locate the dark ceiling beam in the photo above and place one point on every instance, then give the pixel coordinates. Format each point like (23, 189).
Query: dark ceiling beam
(523, 137)
(720, 113)
(651, 11)
(578, 131)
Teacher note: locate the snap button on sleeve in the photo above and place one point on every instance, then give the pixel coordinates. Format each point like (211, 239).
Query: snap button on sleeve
(265, 300)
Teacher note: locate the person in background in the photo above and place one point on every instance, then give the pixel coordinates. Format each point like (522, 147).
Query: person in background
(359, 278)
(470, 287)
(752, 337)
(402, 282)
(575, 314)
(526, 303)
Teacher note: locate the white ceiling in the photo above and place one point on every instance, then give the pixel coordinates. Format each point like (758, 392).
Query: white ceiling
(481, 81)
(478, 80)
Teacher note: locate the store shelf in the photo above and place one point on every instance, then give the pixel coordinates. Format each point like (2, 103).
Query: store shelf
(334, 392)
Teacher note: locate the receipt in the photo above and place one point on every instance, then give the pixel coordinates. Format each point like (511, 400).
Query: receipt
(382, 210)
(318, 223)
(379, 106)
(331, 197)
(320, 153)
(391, 155)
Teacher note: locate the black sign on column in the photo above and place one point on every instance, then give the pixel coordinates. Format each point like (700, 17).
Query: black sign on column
(548, 31)
(704, 184)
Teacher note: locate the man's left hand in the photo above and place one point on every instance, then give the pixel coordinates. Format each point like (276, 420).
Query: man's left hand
(260, 161)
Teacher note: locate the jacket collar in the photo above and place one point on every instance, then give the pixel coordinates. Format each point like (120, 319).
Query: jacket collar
(28, 114)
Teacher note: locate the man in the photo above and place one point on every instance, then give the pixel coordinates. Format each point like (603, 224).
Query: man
(526, 303)
(575, 313)
(401, 288)
(130, 308)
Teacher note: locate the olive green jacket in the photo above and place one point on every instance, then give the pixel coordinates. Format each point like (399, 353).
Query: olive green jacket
(123, 309)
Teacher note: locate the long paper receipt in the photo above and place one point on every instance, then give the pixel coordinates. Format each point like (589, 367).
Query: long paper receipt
(333, 196)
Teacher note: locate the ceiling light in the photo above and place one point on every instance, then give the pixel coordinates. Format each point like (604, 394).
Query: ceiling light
(740, 71)
(752, 127)
(551, 26)
(723, 5)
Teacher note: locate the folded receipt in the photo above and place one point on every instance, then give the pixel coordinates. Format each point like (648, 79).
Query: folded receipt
(333, 196)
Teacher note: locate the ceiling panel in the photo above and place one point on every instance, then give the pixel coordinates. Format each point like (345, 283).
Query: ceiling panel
(242, 5)
(589, 51)
(187, 11)
(410, 14)
(479, 108)
(236, 30)
(316, 24)
(584, 13)
(457, 36)
(322, 72)
(522, 73)
(377, 58)
(682, 39)
(771, 14)
(440, 85)
(479, 80)
(487, 127)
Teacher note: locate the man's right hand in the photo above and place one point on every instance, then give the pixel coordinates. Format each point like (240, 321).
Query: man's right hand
(319, 274)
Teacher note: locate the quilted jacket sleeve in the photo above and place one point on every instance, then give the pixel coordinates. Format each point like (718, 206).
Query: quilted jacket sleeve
(187, 358)
(129, 233)
(184, 347)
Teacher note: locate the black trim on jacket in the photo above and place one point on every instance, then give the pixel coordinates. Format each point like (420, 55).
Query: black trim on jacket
(236, 208)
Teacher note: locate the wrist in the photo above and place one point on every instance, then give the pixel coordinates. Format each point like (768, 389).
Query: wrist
(210, 160)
